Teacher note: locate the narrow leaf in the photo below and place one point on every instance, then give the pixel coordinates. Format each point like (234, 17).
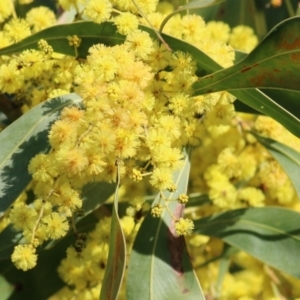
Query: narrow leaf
(199, 4)
(289, 100)
(271, 234)
(116, 262)
(6, 289)
(288, 158)
(8, 239)
(223, 270)
(159, 266)
(22, 140)
(260, 102)
(95, 194)
(272, 64)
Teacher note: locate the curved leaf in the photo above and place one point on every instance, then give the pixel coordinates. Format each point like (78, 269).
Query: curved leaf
(271, 234)
(22, 140)
(287, 99)
(272, 64)
(115, 267)
(159, 266)
(6, 289)
(288, 158)
(194, 4)
(94, 194)
(260, 102)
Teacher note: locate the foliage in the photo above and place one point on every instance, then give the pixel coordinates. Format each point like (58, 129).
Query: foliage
(146, 153)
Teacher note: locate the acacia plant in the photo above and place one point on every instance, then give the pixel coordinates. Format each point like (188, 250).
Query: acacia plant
(146, 153)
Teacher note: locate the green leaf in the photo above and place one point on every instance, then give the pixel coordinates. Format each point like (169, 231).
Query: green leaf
(194, 4)
(288, 158)
(6, 289)
(95, 194)
(22, 140)
(159, 266)
(272, 64)
(116, 261)
(260, 102)
(271, 234)
(8, 239)
(223, 270)
(289, 100)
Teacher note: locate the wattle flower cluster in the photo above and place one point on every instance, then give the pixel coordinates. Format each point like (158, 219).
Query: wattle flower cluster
(137, 108)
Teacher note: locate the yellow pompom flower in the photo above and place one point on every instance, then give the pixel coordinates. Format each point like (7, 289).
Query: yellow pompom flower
(229, 163)
(40, 17)
(252, 195)
(41, 169)
(140, 43)
(183, 198)
(223, 194)
(161, 179)
(66, 198)
(243, 38)
(184, 226)
(22, 216)
(6, 9)
(98, 11)
(72, 114)
(157, 210)
(127, 224)
(217, 30)
(17, 29)
(192, 28)
(126, 23)
(62, 132)
(24, 257)
(11, 80)
(56, 225)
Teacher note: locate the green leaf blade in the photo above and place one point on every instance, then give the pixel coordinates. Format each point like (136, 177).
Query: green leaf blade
(270, 234)
(22, 140)
(199, 4)
(272, 64)
(260, 102)
(116, 262)
(160, 258)
(287, 157)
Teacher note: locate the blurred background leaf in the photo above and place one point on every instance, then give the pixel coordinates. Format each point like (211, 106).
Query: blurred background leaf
(271, 234)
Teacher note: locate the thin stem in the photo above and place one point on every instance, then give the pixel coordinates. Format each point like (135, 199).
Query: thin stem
(171, 214)
(167, 18)
(74, 225)
(13, 10)
(84, 134)
(150, 24)
(146, 174)
(147, 165)
(289, 8)
(36, 224)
